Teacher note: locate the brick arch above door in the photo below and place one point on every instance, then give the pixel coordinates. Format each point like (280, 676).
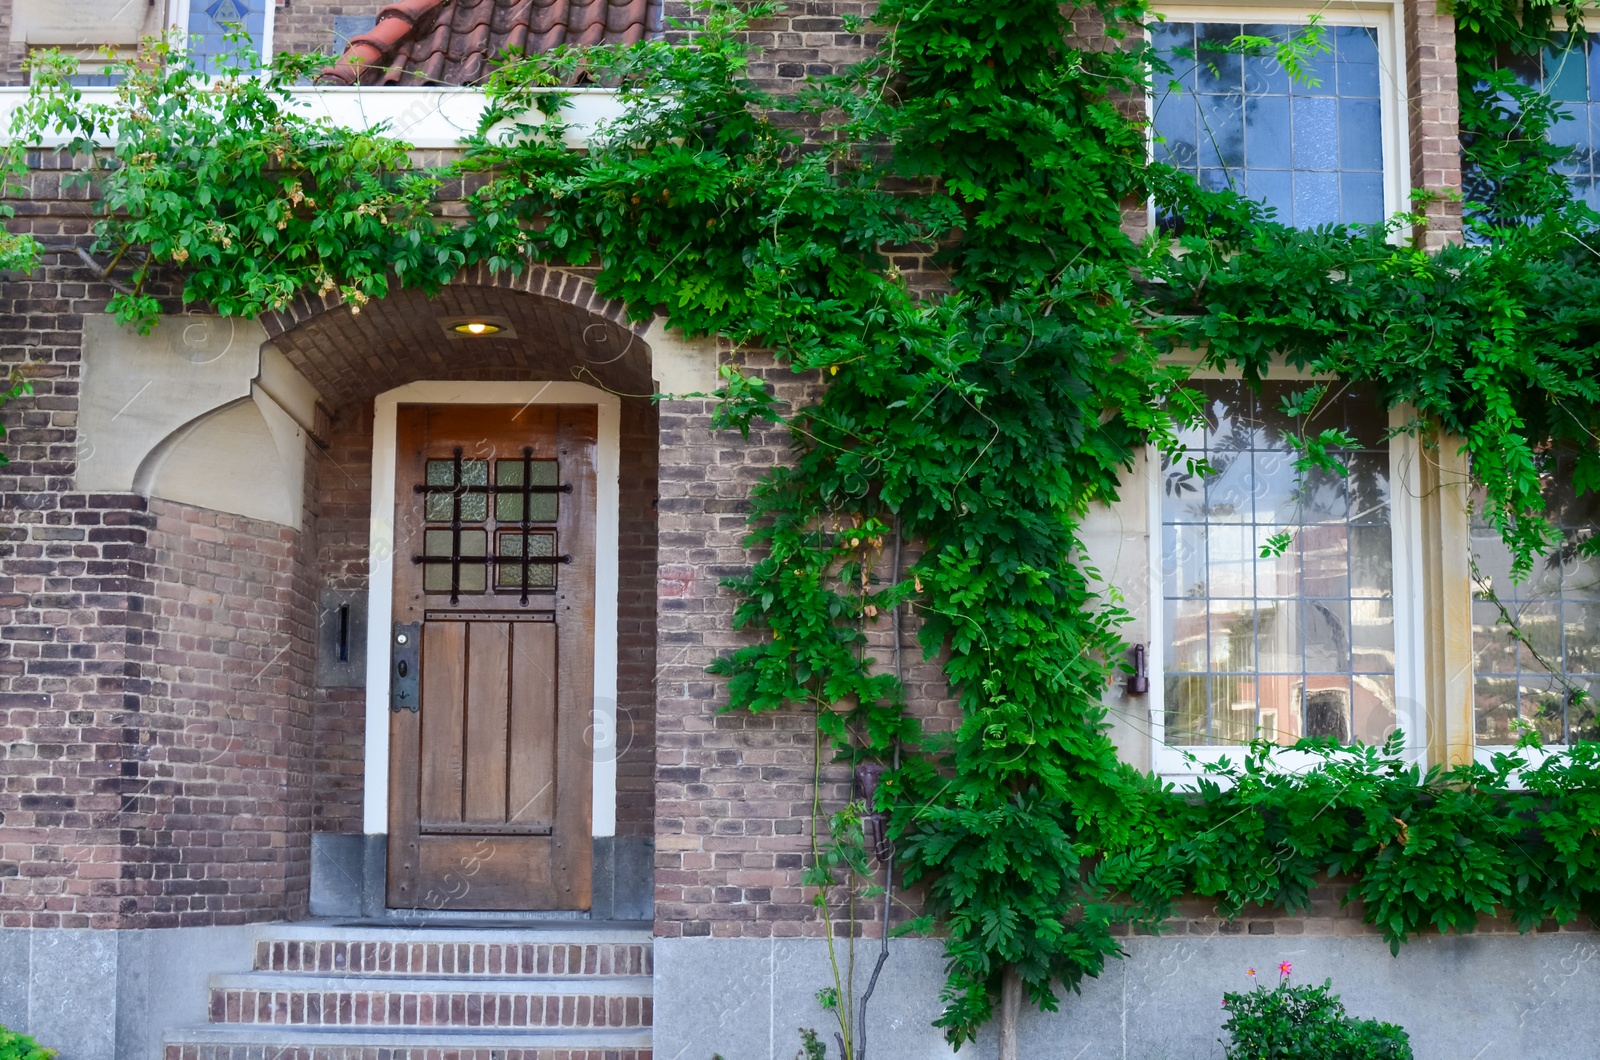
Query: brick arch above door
(555, 328)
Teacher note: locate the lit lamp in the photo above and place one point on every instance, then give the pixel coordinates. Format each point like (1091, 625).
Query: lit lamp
(468, 329)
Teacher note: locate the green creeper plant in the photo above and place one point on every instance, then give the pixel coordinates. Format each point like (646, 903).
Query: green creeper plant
(17, 1046)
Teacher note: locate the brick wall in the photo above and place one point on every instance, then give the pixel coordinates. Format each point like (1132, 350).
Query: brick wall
(636, 621)
(305, 26)
(344, 501)
(221, 819)
(733, 791)
(1433, 111)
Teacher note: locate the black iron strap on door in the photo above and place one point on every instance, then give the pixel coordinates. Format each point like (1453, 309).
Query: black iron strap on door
(457, 489)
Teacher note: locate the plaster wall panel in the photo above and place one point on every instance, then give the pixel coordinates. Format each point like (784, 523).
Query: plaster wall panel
(246, 459)
(138, 389)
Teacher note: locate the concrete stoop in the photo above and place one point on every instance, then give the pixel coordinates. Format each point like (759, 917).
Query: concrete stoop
(319, 992)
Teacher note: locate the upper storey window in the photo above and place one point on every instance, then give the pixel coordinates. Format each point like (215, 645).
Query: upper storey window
(1570, 74)
(1316, 147)
(102, 36)
(212, 23)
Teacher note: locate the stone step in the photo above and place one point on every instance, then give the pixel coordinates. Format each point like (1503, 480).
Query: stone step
(376, 1001)
(411, 955)
(240, 1042)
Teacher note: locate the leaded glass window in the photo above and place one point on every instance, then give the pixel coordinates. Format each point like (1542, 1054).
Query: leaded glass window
(1235, 119)
(1270, 643)
(466, 512)
(1536, 641)
(1570, 74)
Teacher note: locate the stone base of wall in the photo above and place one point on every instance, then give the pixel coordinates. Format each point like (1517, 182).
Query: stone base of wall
(1486, 997)
(112, 995)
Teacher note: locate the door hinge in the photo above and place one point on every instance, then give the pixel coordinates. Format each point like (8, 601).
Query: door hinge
(406, 656)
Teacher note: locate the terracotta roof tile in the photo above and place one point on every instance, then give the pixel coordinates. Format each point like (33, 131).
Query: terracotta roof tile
(453, 42)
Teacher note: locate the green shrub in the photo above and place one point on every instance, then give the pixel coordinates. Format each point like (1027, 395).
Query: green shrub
(14, 1046)
(1292, 1022)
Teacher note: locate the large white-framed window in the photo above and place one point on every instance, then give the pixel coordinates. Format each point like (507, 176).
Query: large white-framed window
(1536, 639)
(1331, 152)
(1284, 602)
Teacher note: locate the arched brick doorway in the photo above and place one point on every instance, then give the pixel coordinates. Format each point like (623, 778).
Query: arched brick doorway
(555, 333)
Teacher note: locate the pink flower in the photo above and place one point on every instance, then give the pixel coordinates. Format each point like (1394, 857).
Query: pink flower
(1285, 969)
(1251, 972)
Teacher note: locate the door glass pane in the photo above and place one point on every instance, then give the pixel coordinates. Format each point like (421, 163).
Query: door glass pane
(509, 571)
(436, 576)
(542, 507)
(440, 505)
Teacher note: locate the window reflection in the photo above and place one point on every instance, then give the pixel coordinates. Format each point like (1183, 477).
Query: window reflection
(1543, 667)
(1312, 152)
(1290, 644)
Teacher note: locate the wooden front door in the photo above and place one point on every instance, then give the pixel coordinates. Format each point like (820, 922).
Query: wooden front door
(492, 665)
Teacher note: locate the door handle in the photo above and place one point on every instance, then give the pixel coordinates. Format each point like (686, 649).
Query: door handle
(406, 653)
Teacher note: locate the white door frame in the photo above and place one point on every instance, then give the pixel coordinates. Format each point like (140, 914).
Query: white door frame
(380, 590)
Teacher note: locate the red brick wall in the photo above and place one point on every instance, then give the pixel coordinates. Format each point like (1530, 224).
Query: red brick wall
(636, 620)
(1433, 111)
(733, 791)
(343, 473)
(222, 820)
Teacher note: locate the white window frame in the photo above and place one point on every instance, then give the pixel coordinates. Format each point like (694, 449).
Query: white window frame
(1184, 765)
(1386, 18)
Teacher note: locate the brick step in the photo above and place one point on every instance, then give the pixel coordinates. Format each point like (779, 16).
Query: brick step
(375, 1001)
(467, 958)
(240, 1042)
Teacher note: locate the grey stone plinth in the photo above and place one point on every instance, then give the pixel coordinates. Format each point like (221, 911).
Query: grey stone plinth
(1490, 997)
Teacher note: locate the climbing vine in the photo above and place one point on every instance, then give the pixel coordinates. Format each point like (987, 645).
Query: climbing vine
(981, 422)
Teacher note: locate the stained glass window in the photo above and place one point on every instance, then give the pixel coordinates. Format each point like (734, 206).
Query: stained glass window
(1268, 643)
(1536, 642)
(212, 21)
(1235, 119)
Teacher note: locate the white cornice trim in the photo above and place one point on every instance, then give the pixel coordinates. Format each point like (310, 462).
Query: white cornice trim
(426, 117)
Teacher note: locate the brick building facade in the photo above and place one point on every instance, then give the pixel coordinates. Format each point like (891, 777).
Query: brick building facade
(196, 608)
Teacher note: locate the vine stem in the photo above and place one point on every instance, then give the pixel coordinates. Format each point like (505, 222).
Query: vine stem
(888, 865)
(1010, 1010)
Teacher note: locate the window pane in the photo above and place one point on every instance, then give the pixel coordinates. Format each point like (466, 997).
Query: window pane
(1279, 636)
(1185, 700)
(1372, 708)
(1536, 641)
(1311, 149)
(1569, 73)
